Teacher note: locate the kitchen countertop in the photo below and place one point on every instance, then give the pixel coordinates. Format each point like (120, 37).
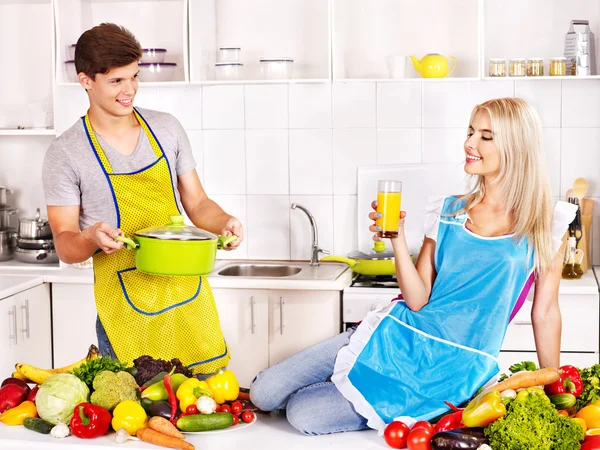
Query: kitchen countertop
(270, 431)
(13, 285)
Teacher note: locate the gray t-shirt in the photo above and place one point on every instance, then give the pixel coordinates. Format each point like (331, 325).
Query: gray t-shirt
(73, 176)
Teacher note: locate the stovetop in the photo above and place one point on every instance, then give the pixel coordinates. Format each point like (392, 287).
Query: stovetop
(377, 281)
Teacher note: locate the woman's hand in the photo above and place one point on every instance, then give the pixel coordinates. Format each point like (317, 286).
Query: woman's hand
(103, 236)
(233, 227)
(375, 228)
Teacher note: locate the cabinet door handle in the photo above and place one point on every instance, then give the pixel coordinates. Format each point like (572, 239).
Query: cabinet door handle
(522, 322)
(281, 303)
(252, 314)
(13, 313)
(26, 308)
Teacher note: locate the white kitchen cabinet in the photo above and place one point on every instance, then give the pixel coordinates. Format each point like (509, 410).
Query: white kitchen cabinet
(26, 329)
(297, 29)
(155, 24)
(74, 322)
(507, 359)
(263, 327)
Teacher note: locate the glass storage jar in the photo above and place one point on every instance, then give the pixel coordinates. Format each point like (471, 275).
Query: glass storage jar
(518, 67)
(497, 67)
(535, 67)
(558, 66)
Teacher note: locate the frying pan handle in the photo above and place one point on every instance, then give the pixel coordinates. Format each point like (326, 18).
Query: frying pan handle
(343, 259)
(222, 241)
(129, 243)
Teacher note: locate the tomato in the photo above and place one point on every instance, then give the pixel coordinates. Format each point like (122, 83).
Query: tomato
(423, 424)
(419, 439)
(236, 408)
(225, 408)
(396, 434)
(192, 409)
(247, 416)
(236, 419)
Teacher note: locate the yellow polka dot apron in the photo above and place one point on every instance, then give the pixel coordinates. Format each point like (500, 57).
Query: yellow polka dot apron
(164, 317)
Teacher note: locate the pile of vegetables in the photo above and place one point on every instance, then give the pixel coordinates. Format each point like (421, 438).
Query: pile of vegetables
(147, 367)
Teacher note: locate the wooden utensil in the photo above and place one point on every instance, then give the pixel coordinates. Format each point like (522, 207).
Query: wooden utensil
(580, 186)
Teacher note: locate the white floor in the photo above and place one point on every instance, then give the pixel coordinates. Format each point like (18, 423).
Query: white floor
(268, 432)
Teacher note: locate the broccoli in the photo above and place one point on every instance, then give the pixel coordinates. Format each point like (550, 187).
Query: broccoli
(111, 388)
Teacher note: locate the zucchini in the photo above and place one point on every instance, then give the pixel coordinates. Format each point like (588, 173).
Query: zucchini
(37, 424)
(563, 401)
(205, 422)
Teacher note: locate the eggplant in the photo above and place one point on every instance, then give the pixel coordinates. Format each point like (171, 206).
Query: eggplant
(462, 438)
(160, 408)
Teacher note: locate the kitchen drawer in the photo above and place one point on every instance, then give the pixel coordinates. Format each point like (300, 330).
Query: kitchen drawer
(580, 325)
(507, 359)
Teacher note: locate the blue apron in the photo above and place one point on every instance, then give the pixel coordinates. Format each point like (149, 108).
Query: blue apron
(405, 363)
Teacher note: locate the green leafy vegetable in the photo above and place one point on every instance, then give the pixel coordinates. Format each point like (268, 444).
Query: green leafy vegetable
(58, 396)
(591, 385)
(89, 369)
(534, 423)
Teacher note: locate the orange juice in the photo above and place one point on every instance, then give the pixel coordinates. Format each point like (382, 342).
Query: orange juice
(388, 205)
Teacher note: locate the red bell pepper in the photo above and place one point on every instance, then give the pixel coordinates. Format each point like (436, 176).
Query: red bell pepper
(569, 382)
(451, 421)
(11, 396)
(33, 394)
(90, 421)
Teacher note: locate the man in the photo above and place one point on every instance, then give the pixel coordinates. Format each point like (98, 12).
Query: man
(118, 170)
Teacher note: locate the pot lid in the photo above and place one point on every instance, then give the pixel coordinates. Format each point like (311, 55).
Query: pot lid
(379, 251)
(37, 219)
(176, 230)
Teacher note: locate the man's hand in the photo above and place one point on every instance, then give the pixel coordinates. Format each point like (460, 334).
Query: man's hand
(233, 227)
(102, 235)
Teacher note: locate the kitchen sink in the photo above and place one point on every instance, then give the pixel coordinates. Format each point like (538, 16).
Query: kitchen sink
(259, 270)
(289, 270)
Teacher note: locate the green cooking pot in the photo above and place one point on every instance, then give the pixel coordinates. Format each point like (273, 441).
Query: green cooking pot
(175, 249)
(376, 262)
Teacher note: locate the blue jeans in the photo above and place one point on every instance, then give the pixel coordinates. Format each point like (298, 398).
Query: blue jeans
(302, 386)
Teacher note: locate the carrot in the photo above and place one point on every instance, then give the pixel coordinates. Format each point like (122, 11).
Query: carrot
(163, 426)
(540, 377)
(243, 396)
(156, 438)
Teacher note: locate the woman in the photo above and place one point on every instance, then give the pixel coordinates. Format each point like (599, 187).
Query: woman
(481, 254)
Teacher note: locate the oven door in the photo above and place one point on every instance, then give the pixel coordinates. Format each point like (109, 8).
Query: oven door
(358, 304)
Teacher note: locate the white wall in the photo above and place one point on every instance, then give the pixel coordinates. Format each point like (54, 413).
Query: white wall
(261, 147)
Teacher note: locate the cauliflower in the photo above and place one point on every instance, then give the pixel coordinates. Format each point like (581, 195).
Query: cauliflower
(111, 388)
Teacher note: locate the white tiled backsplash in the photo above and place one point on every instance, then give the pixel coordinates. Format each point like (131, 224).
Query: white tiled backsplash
(260, 148)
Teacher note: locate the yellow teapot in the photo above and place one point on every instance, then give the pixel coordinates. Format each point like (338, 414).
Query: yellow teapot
(433, 65)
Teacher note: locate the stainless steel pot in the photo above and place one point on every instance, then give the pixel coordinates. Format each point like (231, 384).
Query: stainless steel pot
(35, 244)
(3, 192)
(7, 244)
(36, 256)
(5, 213)
(34, 228)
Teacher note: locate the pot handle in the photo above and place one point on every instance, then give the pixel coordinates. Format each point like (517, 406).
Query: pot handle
(343, 259)
(129, 243)
(222, 241)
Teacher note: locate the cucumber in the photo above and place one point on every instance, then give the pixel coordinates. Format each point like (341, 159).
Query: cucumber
(563, 401)
(37, 424)
(205, 422)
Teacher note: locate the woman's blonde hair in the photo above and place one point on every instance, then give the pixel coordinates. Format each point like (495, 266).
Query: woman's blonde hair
(522, 178)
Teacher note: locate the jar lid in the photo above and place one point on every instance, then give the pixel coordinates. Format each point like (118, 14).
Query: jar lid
(176, 230)
(498, 60)
(536, 59)
(558, 58)
(518, 59)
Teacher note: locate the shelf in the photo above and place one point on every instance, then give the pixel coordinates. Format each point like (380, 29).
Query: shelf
(533, 28)
(367, 32)
(297, 29)
(402, 80)
(27, 132)
(155, 24)
(591, 77)
(233, 82)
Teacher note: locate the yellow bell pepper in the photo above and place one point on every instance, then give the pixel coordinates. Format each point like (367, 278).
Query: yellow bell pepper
(129, 415)
(224, 386)
(18, 414)
(189, 392)
(483, 409)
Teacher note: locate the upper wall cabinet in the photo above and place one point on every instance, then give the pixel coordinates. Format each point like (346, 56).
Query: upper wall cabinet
(374, 39)
(26, 83)
(275, 31)
(157, 24)
(534, 29)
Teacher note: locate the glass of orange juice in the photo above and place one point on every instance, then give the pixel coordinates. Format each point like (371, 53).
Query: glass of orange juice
(389, 198)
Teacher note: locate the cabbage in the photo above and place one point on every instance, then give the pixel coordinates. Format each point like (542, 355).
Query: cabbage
(58, 396)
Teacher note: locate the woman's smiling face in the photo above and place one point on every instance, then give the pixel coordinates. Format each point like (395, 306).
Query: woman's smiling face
(481, 154)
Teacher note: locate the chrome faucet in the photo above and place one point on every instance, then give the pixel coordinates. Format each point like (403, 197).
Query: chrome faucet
(315, 250)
